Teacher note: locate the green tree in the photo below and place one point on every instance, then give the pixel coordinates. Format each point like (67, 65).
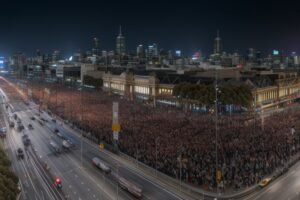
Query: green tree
(205, 94)
(89, 80)
(8, 180)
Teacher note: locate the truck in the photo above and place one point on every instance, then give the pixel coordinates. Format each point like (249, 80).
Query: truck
(130, 187)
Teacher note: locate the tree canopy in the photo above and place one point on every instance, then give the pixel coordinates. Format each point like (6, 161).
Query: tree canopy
(89, 80)
(8, 180)
(205, 94)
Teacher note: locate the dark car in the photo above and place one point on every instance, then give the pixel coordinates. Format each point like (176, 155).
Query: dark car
(41, 122)
(26, 140)
(20, 153)
(20, 127)
(32, 118)
(43, 119)
(30, 126)
(11, 124)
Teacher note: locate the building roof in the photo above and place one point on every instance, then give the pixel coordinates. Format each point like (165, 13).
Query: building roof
(260, 81)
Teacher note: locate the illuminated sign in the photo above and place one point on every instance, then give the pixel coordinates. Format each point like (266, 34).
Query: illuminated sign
(1, 62)
(178, 53)
(275, 52)
(196, 56)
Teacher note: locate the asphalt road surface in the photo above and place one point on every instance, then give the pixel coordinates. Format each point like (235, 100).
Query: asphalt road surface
(286, 187)
(80, 179)
(34, 182)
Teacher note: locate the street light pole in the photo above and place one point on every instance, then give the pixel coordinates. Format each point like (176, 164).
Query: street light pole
(118, 178)
(180, 171)
(81, 116)
(156, 140)
(216, 125)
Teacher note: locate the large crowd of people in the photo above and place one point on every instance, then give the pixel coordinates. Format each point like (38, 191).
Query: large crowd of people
(180, 143)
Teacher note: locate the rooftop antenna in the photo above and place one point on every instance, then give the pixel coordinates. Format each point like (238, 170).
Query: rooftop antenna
(120, 30)
(96, 42)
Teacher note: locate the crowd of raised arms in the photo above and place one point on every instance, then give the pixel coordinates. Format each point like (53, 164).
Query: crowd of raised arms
(171, 139)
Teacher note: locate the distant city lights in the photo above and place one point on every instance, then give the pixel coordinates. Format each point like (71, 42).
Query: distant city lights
(196, 56)
(1, 62)
(275, 52)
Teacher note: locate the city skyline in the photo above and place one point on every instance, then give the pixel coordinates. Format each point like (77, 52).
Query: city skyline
(190, 27)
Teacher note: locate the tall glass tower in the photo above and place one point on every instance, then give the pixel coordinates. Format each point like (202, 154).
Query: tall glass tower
(218, 45)
(120, 44)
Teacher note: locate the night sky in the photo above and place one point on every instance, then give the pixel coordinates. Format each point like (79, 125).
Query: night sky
(189, 26)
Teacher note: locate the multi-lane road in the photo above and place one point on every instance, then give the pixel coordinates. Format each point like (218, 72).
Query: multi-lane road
(80, 179)
(34, 183)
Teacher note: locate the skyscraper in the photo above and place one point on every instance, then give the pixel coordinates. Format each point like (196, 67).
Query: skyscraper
(120, 44)
(152, 51)
(218, 44)
(251, 55)
(56, 56)
(140, 51)
(96, 50)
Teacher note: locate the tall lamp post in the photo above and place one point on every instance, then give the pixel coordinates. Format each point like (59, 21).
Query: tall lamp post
(216, 126)
(156, 155)
(81, 119)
